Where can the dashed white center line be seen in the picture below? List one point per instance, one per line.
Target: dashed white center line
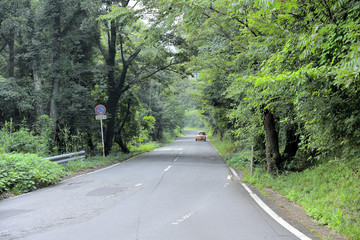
(176, 159)
(180, 220)
(167, 169)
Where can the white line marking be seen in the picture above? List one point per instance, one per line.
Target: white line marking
(168, 149)
(180, 220)
(228, 177)
(272, 214)
(101, 169)
(167, 169)
(138, 185)
(176, 159)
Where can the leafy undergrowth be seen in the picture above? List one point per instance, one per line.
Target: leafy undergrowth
(22, 173)
(225, 148)
(330, 193)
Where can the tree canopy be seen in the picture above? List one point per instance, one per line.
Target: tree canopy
(279, 76)
(62, 58)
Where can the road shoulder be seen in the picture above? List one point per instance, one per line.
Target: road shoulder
(292, 213)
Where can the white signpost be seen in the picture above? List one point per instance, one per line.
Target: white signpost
(100, 110)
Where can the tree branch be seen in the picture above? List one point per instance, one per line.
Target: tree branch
(122, 49)
(71, 21)
(3, 47)
(220, 27)
(134, 55)
(159, 69)
(236, 19)
(101, 48)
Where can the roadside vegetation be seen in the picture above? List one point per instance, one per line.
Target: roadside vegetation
(329, 191)
(26, 170)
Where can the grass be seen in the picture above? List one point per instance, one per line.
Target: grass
(330, 193)
(225, 148)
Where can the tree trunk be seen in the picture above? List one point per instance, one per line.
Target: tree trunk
(56, 72)
(118, 136)
(111, 106)
(90, 142)
(11, 44)
(292, 143)
(116, 87)
(122, 145)
(34, 62)
(38, 91)
(53, 106)
(272, 142)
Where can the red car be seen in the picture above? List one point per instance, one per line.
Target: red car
(200, 136)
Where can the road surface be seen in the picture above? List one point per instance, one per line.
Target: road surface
(182, 191)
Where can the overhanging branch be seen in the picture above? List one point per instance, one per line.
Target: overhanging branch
(236, 19)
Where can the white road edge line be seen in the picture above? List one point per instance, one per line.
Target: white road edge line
(167, 169)
(99, 170)
(96, 171)
(272, 214)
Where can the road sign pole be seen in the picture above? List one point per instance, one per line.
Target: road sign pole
(100, 111)
(102, 138)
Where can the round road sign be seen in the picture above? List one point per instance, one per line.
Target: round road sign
(100, 109)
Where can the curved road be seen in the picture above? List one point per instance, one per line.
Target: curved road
(182, 191)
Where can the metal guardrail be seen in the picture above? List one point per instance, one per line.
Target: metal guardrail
(64, 158)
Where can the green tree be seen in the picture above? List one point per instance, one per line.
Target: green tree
(132, 52)
(279, 63)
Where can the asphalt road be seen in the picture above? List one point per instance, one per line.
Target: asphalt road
(182, 191)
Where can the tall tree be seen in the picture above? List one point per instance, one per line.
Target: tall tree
(125, 42)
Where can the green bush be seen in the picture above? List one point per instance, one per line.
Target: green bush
(20, 141)
(171, 136)
(21, 173)
(226, 148)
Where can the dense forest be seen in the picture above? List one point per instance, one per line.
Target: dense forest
(277, 78)
(59, 59)
(281, 77)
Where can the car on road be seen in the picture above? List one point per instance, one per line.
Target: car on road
(200, 136)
